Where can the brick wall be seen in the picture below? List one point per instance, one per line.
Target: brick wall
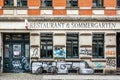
(60, 3)
(85, 3)
(1, 2)
(33, 3)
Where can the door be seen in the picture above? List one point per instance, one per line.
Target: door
(16, 55)
(118, 50)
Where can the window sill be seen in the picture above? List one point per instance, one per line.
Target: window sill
(21, 8)
(72, 59)
(72, 8)
(46, 8)
(98, 8)
(46, 59)
(98, 60)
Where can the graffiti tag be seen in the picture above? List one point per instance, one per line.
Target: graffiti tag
(86, 51)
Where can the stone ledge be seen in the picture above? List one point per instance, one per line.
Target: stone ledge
(61, 18)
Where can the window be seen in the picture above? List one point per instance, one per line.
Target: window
(46, 3)
(118, 3)
(72, 44)
(97, 3)
(46, 45)
(21, 3)
(8, 3)
(98, 46)
(72, 3)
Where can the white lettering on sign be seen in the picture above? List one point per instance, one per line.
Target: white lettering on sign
(72, 25)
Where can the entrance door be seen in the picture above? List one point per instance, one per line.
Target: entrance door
(16, 54)
(118, 50)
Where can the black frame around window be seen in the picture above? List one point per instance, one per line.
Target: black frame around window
(98, 45)
(72, 45)
(46, 3)
(98, 3)
(46, 45)
(8, 3)
(72, 3)
(22, 3)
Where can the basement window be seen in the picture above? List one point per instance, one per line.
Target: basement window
(21, 3)
(8, 3)
(46, 45)
(97, 3)
(72, 3)
(46, 3)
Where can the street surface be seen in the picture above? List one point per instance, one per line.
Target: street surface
(28, 76)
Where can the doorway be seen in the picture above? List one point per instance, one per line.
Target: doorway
(16, 53)
(118, 50)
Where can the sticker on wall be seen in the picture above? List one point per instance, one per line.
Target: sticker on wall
(86, 51)
(59, 53)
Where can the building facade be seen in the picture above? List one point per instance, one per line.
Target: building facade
(59, 30)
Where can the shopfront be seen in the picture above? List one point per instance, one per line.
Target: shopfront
(59, 39)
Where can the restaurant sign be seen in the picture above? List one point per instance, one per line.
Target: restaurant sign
(73, 25)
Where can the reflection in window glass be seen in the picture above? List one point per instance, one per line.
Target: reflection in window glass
(7, 50)
(27, 50)
(98, 46)
(72, 3)
(72, 45)
(21, 3)
(8, 3)
(17, 37)
(97, 3)
(46, 45)
(46, 3)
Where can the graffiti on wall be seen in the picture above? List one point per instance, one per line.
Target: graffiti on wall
(109, 52)
(86, 51)
(17, 66)
(59, 53)
(111, 62)
(98, 65)
(35, 52)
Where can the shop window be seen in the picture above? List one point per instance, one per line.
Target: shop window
(21, 3)
(8, 3)
(72, 45)
(46, 45)
(72, 3)
(97, 3)
(46, 3)
(118, 3)
(98, 46)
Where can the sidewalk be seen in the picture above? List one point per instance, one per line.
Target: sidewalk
(28, 76)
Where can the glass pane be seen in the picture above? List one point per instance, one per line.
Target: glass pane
(27, 50)
(17, 37)
(46, 45)
(26, 37)
(7, 51)
(118, 3)
(21, 3)
(7, 37)
(8, 2)
(16, 50)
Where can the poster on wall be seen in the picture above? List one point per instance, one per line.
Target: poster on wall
(59, 53)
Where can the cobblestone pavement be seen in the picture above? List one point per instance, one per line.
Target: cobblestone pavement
(28, 76)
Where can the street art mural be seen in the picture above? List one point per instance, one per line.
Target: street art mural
(86, 51)
(59, 53)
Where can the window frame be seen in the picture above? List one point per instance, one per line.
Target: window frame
(98, 54)
(43, 4)
(97, 3)
(45, 55)
(72, 46)
(69, 4)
